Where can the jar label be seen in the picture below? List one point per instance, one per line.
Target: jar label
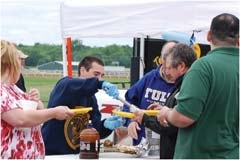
(88, 147)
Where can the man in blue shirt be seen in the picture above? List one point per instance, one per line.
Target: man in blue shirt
(153, 87)
(62, 137)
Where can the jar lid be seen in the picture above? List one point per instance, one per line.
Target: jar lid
(89, 131)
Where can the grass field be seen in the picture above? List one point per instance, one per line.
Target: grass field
(45, 85)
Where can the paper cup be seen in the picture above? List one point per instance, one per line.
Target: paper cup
(27, 104)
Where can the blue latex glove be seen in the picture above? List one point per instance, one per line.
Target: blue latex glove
(110, 89)
(113, 122)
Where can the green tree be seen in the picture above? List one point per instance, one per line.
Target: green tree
(44, 53)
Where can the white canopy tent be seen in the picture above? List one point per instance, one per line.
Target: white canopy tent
(138, 18)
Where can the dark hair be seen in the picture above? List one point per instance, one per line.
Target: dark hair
(225, 28)
(181, 53)
(87, 61)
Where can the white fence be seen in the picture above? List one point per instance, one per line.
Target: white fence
(57, 73)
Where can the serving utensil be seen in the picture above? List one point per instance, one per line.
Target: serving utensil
(132, 107)
(81, 110)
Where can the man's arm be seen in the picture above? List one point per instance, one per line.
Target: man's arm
(172, 116)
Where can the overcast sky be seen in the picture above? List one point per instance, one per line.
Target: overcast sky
(31, 21)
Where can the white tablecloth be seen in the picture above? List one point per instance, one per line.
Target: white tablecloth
(102, 156)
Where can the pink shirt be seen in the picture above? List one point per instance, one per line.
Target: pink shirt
(17, 142)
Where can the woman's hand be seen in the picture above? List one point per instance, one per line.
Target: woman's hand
(34, 95)
(63, 112)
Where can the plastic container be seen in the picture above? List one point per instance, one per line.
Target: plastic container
(89, 143)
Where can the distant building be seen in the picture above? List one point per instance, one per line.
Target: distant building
(57, 66)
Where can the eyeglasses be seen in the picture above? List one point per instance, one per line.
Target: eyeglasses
(22, 59)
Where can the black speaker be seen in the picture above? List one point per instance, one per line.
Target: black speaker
(134, 72)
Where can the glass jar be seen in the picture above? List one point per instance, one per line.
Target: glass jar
(89, 143)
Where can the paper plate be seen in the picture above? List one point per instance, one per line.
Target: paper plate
(132, 115)
(117, 154)
(82, 110)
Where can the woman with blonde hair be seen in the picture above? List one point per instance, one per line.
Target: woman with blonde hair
(20, 128)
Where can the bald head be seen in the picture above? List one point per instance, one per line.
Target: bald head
(166, 47)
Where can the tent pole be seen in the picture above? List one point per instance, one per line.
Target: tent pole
(141, 64)
(69, 56)
(64, 57)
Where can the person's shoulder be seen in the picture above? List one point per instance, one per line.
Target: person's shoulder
(63, 80)
(205, 59)
(153, 72)
(66, 78)
(148, 76)
(202, 64)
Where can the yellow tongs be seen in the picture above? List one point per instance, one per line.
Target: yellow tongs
(81, 110)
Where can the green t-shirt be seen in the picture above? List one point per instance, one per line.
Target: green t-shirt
(210, 95)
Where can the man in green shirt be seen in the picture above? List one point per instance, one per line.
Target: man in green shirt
(207, 110)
